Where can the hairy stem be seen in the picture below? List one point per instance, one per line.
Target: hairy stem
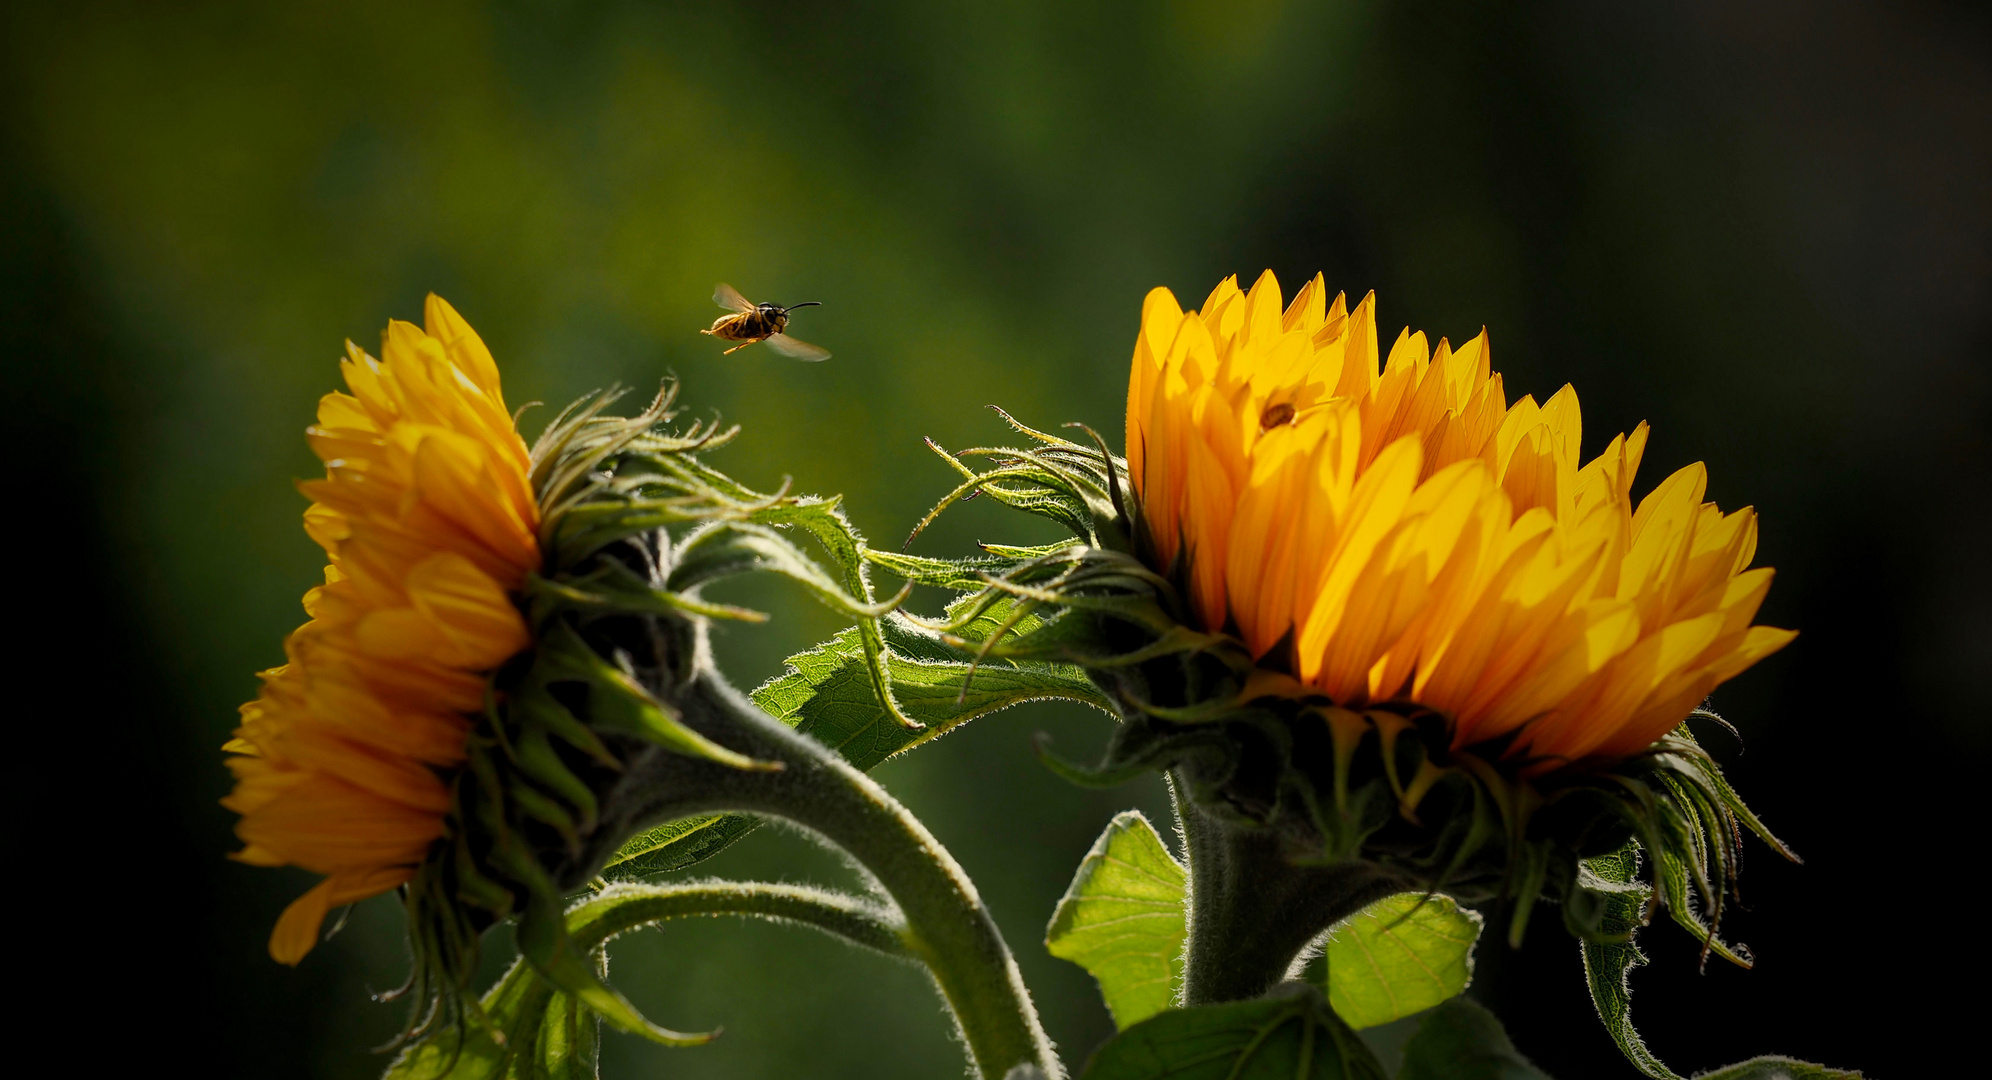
(1252, 910)
(622, 908)
(945, 924)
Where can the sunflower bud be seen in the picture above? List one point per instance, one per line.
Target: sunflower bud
(1382, 627)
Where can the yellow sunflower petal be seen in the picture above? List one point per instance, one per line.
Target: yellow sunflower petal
(1421, 539)
(427, 514)
(297, 928)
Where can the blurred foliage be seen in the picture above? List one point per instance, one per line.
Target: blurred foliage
(1763, 231)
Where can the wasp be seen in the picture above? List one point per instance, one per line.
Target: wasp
(750, 322)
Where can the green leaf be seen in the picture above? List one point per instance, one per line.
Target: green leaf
(675, 845)
(617, 702)
(828, 693)
(1122, 919)
(1461, 1040)
(1400, 955)
(1773, 1067)
(1294, 1036)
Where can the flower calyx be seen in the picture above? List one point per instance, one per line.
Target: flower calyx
(635, 525)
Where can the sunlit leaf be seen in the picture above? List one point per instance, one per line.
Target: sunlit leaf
(1122, 919)
(1398, 956)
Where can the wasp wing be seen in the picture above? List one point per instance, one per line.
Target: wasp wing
(800, 350)
(728, 297)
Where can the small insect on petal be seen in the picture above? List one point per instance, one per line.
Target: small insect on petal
(1275, 415)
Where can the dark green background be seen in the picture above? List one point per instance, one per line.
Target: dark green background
(1767, 231)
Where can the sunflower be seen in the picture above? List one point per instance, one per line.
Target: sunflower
(428, 521)
(1403, 535)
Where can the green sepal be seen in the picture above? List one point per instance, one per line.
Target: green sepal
(481, 1051)
(530, 1029)
(531, 701)
(532, 751)
(730, 548)
(614, 587)
(546, 811)
(1085, 776)
(1608, 965)
(739, 547)
(477, 888)
(960, 575)
(1078, 486)
(1290, 1035)
(569, 1043)
(1028, 553)
(825, 522)
(1074, 639)
(587, 529)
(1065, 508)
(1528, 868)
(1689, 822)
(1122, 919)
(617, 702)
(1696, 760)
(570, 966)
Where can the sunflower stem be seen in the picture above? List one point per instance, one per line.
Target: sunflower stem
(945, 926)
(621, 908)
(1252, 909)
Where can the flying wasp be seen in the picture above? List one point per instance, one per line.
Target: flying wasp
(749, 322)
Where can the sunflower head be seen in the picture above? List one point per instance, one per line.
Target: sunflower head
(1362, 600)
(504, 634)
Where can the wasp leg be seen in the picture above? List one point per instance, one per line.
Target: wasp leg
(739, 347)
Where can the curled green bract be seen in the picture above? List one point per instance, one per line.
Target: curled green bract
(634, 524)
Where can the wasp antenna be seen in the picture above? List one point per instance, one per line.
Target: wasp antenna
(812, 303)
